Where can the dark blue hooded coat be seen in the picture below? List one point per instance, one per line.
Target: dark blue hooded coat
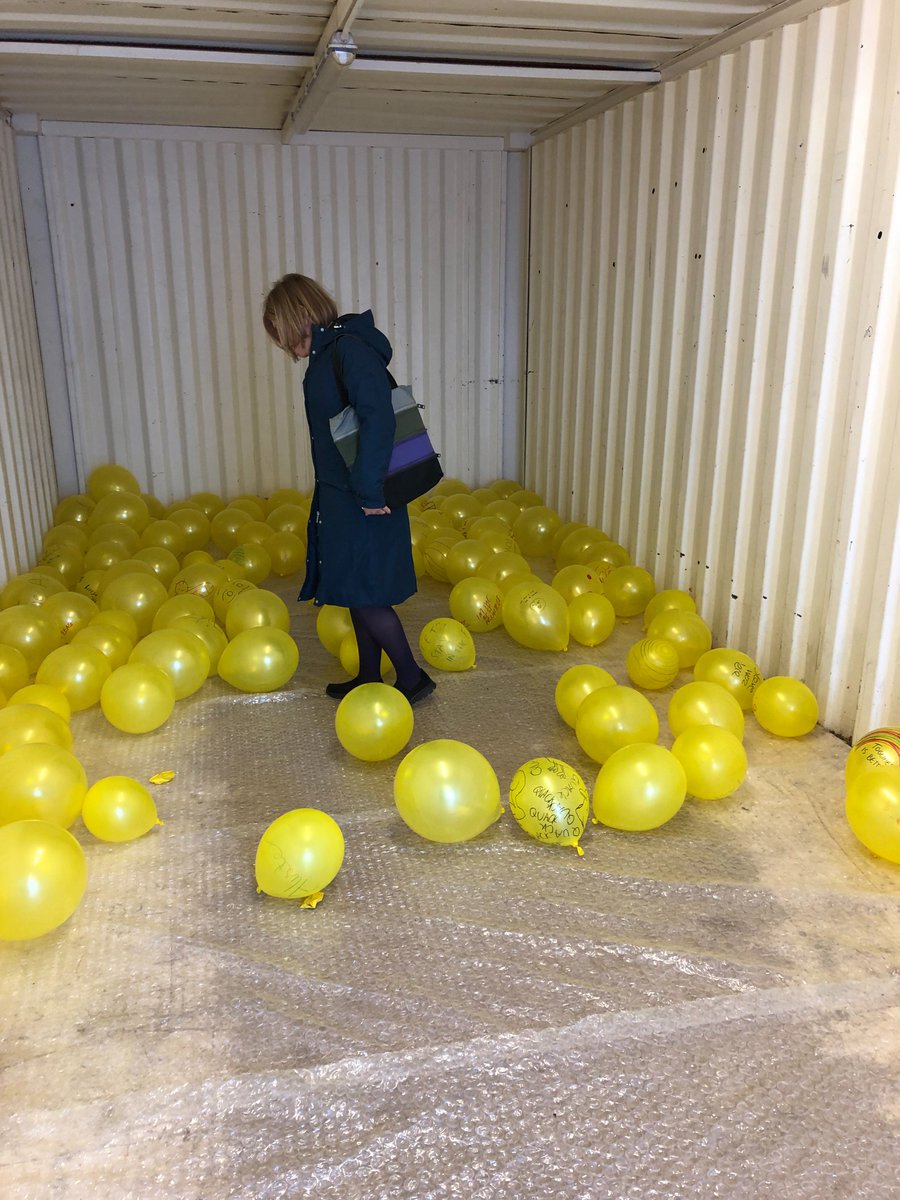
(352, 559)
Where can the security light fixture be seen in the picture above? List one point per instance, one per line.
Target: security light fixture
(342, 48)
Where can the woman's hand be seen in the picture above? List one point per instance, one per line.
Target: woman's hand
(376, 512)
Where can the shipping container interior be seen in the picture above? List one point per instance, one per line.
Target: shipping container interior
(643, 260)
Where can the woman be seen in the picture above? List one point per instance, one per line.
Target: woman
(359, 553)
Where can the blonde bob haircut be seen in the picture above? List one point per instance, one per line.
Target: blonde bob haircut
(293, 304)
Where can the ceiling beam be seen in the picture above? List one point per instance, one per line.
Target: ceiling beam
(324, 73)
(489, 70)
(101, 50)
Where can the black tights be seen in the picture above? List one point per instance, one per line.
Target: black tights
(380, 629)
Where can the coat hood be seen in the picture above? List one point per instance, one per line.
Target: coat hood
(358, 325)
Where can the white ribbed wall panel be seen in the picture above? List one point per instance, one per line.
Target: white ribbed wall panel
(27, 479)
(714, 371)
(165, 245)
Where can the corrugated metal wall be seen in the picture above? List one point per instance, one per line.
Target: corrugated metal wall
(165, 246)
(714, 362)
(27, 480)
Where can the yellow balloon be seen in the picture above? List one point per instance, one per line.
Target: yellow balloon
(21, 724)
(875, 750)
(91, 584)
(534, 530)
(167, 534)
(210, 634)
(138, 594)
(193, 523)
(226, 593)
(289, 518)
(639, 787)
(508, 582)
(43, 875)
(209, 502)
(447, 644)
(154, 506)
(436, 551)
(254, 558)
(575, 685)
(592, 619)
(505, 487)
(75, 508)
(65, 561)
(119, 809)
(71, 611)
(260, 659)
(701, 703)
(13, 669)
(504, 511)
(667, 600)
(524, 498)
(162, 562)
(502, 564)
(630, 590)
(332, 626)
(121, 619)
(349, 656)
(612, 717)
(67, 533)
(256, 608)
(79, 672)
(137, 698)
(580, 546)
(465, 558)
(688, 633)
(122, 535)
(202, 579)
(41, 782)
(536, 616)
(44, 695)
(225, 528)
(180, 654)
(563, 532)
(253, 505)
(446, 791)
(576, 580)
(460, 507)
(127, 507)
(550, 801)
(873, 811)
(28, 629)
(126, 566)
(187, 604)
(110, 640)
(374, 722)
(287, 552)
(785, 706)
(652, 663)
(477, 603)
(732, 670)
(110, 477)
(714, 761)
(299, 854)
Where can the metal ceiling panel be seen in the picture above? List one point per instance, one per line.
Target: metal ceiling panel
(424, 99)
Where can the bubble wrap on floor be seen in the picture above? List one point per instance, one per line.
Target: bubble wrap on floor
(707, 1010)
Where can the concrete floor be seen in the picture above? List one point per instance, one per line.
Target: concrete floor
(706, 1010)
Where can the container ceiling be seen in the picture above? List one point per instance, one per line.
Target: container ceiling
(471, 67)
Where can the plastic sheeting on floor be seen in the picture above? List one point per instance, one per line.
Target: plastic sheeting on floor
(706, 1010)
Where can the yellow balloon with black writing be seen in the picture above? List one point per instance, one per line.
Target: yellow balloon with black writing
(536, 616)
(299, 854)
(549, 800)
(447, 644)
(477, 603)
